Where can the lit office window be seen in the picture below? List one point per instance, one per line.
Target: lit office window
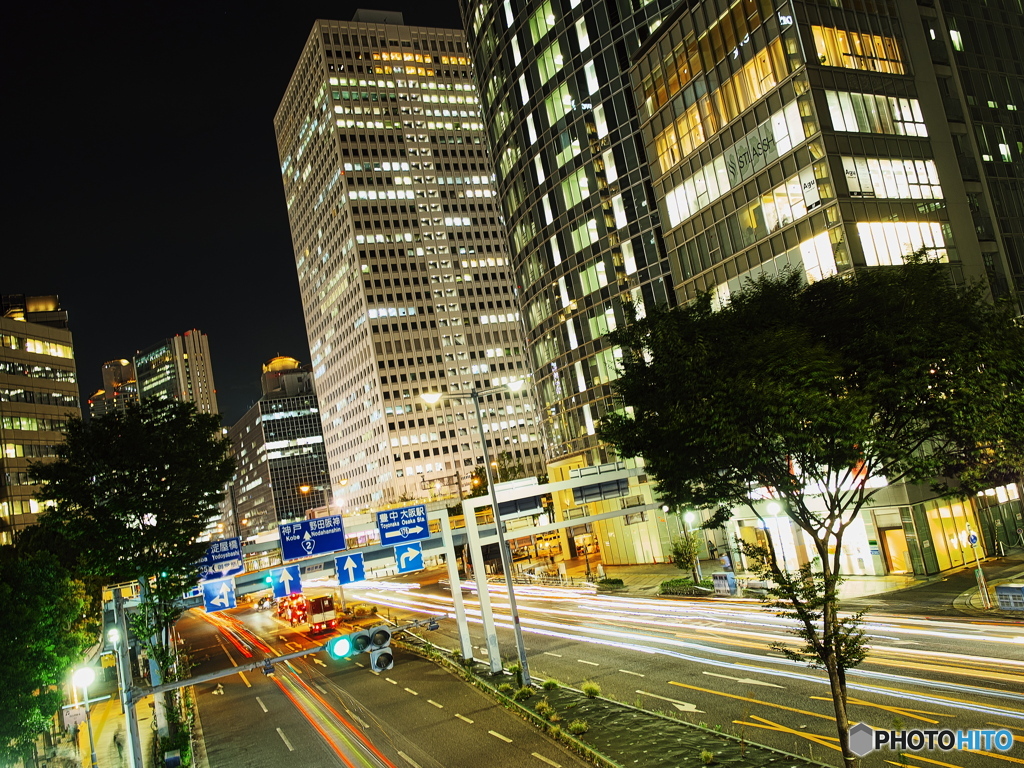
(870, 113)
(581, 33)
(893, 178)
(542, 21)
(857, 50)
(889, 242)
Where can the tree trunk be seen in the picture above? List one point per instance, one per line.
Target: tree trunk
(842, 721)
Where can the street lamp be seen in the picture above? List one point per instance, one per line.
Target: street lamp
(506, 557)
(83, 677)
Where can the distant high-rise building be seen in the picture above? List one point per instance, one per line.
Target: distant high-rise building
(38, 393)
(120, 389)
(178, 368)
(402, 259)
(279, 449)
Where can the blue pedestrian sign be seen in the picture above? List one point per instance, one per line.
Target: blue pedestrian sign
(218, 595)
(409, 557)
(286, 581)
(305, 538)
(223, 558)
(398, 526)
(350, 568)
(972, 539)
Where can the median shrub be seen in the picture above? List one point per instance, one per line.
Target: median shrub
(611, 584)
(578, 727)
(591, 689)
(684, 586)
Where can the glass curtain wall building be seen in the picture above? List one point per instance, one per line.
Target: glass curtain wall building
(583, 229)
(178, 368)
(830, 137)
(402, 259)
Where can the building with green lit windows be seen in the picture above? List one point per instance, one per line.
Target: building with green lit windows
(835, 136)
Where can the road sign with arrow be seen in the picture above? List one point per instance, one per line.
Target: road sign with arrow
(305, 538)
(219, 595)
(286, 581)
(350, 568)
(409, 558)
(399, 526)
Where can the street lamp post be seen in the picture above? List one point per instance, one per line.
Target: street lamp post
(83, 678)
(499, 526)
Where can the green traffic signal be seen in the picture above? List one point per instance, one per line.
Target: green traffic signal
(340, 647)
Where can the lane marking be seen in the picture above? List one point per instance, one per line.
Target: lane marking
(925, 759)
(1007, 758)
(745, 680)
(497, 735)
(545, 760)
(591, 663)
(431, 701)
(917, 714)
(227, 653)
(410, 690)
(464, 719)
(320, 688)
(752, 701)
(627, 672)
(409, 760)
(682, 706)
(245, 680)
(556, 655)
(317, 661)
(285, 740)
(393, 682)
(358, 664)
(768, 725)
(260, 702)
(358, 719)
(293, 644)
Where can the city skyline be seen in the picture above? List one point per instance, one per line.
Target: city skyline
(148, 218)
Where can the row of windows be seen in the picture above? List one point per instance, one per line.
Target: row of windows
(29, 450)
(892, 178)
(451, 46)
(38, 398)
(32, 423)
(36, 346)
(11, 368)
(857, 50)
(871, 113)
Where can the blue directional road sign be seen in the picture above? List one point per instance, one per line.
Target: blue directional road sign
(398, 526)
(350, 568)
(223, 558)
(286, 580)
(319, 536)
(972, 539)
(409, 557)
(219, 595)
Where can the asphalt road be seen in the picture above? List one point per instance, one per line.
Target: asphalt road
(709, 662)
(319, 712)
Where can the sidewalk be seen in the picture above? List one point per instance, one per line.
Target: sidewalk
(108, 722)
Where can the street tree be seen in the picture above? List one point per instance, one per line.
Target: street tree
(44, 629)
(133, 491)
(818, 396)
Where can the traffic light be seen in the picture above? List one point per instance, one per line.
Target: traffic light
(381, 658)
(346, 646)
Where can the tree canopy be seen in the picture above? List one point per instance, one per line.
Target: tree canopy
(818, 396)
(42, 626)
(830, 389)
(132, 491)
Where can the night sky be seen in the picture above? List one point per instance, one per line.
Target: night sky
(142, 174)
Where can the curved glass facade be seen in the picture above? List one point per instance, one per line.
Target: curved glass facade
(574, 185)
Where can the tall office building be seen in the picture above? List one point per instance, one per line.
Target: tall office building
(38, 393)
(178, 368)
(583, 227)
(834, 137)
(279, 449)
(401, 258)
(120, 389)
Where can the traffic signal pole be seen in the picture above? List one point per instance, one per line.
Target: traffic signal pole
(124, 679)
(456, 587)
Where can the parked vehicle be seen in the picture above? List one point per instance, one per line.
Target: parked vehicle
(292, 608)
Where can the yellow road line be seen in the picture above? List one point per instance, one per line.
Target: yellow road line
(996, 755)
(895, 710)
(816, 738)
(752, 701)
(925, 759)
(941, 698)
(1010, 728)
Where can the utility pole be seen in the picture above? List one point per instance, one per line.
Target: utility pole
(124, 679)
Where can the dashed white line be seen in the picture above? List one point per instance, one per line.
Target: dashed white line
(591, 663)
(627, 672)
(358, 719)
(245, 680)
(497, 735)
(545, 760)
(556, 655)
(320, 688)
(227, 653)
(262, 705)
(358, 664)
(431, 701)
(409, 760)
(285, 740)
(393, 682)
(464, 719)
(410, 690)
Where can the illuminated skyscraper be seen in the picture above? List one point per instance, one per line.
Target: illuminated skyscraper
(401, 258)
(178, 368)
(38, 392)
(120, 389)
